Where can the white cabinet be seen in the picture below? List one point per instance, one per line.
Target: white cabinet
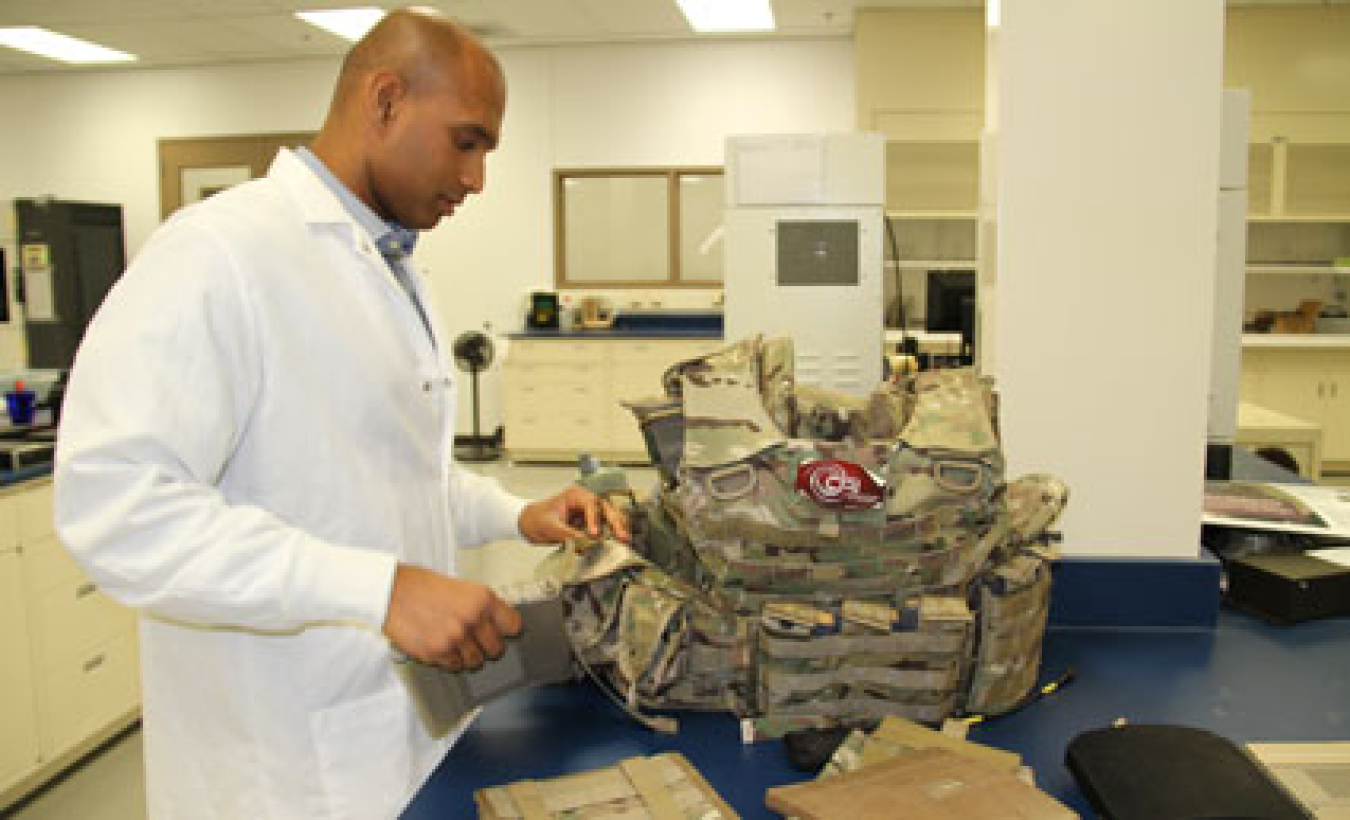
(1298, 180)
(71, 669)
(18, 720)
(1308, 383)
(564, 396)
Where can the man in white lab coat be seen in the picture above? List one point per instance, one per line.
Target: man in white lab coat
(255, 452)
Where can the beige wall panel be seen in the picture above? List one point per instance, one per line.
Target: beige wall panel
(1295, 60)
(918, 62)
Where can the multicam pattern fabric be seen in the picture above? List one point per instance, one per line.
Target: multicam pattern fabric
(817, 559)
(660, 787)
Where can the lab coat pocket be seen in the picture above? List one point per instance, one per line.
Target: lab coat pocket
(364, 761)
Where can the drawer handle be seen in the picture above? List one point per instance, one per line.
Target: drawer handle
(94, 662)
(86, 590)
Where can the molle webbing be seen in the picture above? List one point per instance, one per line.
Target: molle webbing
(814, 559)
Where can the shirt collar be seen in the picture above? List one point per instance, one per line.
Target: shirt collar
(393, 240)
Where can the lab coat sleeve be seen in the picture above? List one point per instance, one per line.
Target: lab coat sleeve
(482, 511)
(160, 394)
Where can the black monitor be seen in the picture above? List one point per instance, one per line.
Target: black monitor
(951, 306)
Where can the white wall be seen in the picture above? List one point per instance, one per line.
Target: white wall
(92, 136)
(1107, 194)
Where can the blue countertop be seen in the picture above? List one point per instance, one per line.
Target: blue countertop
(1246, 680)
(656, 325)
(615, 333)
(26, 474)
(1241, 678)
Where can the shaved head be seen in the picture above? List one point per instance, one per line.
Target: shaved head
(417, 44)
(417, 106)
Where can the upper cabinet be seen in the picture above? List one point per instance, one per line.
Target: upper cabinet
(920, 77)
(1299, 181)
(1297, 66)
(920, 82)
(932, 179)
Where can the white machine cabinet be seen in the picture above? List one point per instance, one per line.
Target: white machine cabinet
(803, 251)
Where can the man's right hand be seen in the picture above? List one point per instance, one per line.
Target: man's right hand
(447, 622)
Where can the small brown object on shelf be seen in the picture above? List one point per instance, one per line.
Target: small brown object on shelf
(1301, 320)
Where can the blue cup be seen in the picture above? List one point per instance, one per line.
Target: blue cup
(20, 404)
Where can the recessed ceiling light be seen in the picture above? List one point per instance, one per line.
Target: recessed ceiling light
(61, 47)
(728, 15)
(351, 24)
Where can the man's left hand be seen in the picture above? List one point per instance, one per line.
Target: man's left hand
(576, 512)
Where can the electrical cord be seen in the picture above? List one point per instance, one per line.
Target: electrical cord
(908, 346)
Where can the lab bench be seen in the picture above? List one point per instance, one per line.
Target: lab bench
(1146, 641)
(1245, 680)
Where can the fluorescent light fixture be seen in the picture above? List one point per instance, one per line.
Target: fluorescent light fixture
(351, 24)
(56, 46)
(728, 15)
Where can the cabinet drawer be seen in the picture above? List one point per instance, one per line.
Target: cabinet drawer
(35, 512)
(565, 398)
(48, 563)
(543, 430)
(72, 617)
(660, 353)
(556, 373)
(556, 351)
(86, 692)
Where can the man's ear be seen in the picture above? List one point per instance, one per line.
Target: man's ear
(387, 90)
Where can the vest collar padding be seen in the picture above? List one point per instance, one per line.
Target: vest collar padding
(724, 415)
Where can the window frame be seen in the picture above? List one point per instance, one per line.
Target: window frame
(672, 175)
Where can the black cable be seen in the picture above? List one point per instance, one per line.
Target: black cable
(908, 346)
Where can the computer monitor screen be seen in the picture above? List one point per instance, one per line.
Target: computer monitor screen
(951, 301)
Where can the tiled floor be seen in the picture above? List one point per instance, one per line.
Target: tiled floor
(108, 785)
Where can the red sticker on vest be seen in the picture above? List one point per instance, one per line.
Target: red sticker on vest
(839, 485)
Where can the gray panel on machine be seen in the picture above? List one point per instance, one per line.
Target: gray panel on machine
(818, 252)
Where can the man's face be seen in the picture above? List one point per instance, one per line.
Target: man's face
(433, 153)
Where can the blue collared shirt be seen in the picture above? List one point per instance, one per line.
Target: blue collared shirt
(395, 242)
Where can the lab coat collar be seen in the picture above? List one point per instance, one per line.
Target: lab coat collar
(318, 205)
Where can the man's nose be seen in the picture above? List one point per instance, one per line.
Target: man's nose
(473, 176)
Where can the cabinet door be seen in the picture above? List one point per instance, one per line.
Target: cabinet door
(82, 694)
(1335, 387)
(1293, 382)
(18, 713)
(555, 398)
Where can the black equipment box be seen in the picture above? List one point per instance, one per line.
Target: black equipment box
(1143, 772)
(1288, 588)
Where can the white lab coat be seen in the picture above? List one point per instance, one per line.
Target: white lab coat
(257, 429)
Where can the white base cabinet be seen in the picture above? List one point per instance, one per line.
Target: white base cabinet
(18, 719)
(1308, 383)
(564, 396)
(70, 675)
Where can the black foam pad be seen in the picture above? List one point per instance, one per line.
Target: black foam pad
(1174, 773)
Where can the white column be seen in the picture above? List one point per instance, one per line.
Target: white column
(1107, 176)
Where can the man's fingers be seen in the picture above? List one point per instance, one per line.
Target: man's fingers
(618, 524)
(592, 510)
(505, 619)
(470, 656)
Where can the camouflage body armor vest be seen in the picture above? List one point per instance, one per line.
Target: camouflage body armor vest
(814, 559)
